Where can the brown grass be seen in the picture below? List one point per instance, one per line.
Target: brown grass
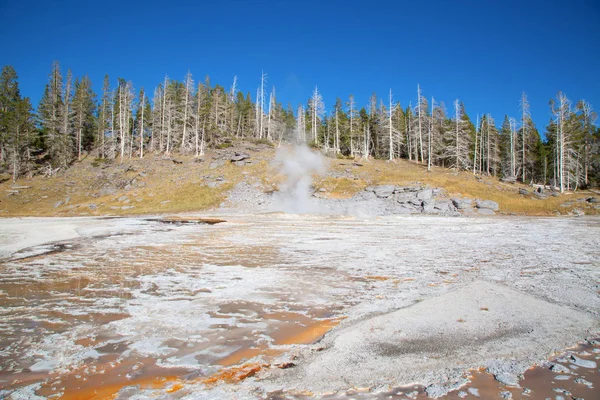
(165, 187)
(462, 184)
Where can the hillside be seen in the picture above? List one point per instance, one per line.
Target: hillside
(158, 185)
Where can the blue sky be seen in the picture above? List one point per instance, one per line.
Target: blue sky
(483, 52)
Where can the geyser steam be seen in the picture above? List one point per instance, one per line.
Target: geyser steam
(298, 165)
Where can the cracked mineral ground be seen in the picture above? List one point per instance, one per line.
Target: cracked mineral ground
(300, 306)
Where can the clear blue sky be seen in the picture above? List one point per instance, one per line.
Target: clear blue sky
(482, 52)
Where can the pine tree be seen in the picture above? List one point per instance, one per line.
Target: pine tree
(53, 113)
(84, 107)
(16, 124)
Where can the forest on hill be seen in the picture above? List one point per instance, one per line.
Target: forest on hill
(72, 122)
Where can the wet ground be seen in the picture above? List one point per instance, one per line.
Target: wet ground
(194, 308)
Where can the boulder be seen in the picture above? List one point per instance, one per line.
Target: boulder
(425, 194)
(593, 200)
(384, 191)
(524, 192)
(443, 206)
(485, 211)
(577, 212)
(462, 204)
(404, 197)
(216, 164)
(416, 202)
(239, 157)
(487, 204)
(428, 206)
(407, 209)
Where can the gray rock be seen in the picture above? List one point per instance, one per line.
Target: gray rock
(487, 204)
(462, 204)
(240, 163)
(580, 362)
(425, 194)
(578, 213)
(485, 211)
(416, 203)
(508, 379)
(216, 164)
(473, 391)
(562, 377)
(404, 197)
(582, 381)
(593, 200)
(122, 198)
(428, 206)
(524, 192)
(239, 157)
(506, 395)
(560, 369)
(58, 204)
(462, 394)
(92, 206)
(443, 206)
(406, 209)
(165, 201)
(107, 191)
(127, 207)
(384, 191)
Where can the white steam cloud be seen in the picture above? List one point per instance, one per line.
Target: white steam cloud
(298, 165)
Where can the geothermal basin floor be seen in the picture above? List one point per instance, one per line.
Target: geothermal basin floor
(277, 305)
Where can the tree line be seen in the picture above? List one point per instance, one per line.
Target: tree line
(186, 117)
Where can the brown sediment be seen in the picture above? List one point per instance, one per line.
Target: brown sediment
(311, 333)
(246, 354)
(234, 374)
(110, 377)
(293, 328)
(188, 220)
(377, 278)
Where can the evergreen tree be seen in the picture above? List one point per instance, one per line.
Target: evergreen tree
(53, 119)
(84, 108)
(16, 124)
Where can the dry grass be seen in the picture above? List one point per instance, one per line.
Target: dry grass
(162, 186)
(462, 184)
